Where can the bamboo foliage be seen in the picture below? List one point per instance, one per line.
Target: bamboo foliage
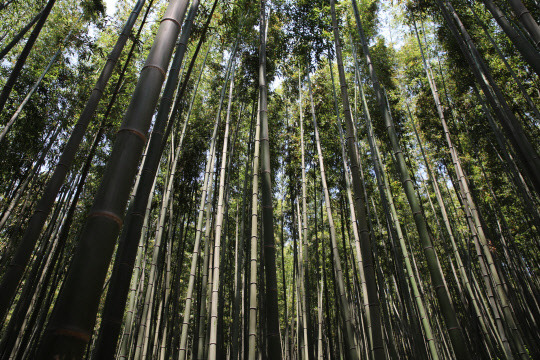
(255, 211)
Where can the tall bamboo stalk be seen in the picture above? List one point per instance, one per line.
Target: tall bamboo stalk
(122, 271)
(14, 117)
(527, 50)
(196, 251)
(437, 277)
(388, 202)
(239, 273)
(271, 295)
(212, 352)
(377, 348)
(252, 317)
(304, 238)
(19, 261)
(513, 129)
(525, 17)
(471, 209)
(19, 35)
(344, 303)
(83, 285)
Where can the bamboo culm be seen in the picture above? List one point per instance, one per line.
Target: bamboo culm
(83, 284)
(13, 275)
(377, 348)
(271, 296)
(456, 335)
(131, 232)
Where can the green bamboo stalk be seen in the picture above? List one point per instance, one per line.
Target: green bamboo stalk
(526, 19)
(212, 351)
(345, 306)
(196, 249)
(135, 279)
(512, 127)
(377, 347)
(527, 50)
(347, 176)
(206, 277)
(14, 117)
(144, 331)
(304, 230)
(387, 200)
(437, 277)
(240, 263)
(301, 289)
(28, 180)
(18, 37)
(131, 233)
(271, 295)
(471, 209)
(252, 325)
(518, 82)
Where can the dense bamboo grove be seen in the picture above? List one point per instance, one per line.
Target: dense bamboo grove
(269, 179)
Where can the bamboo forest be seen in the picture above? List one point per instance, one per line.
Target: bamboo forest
(270, 179)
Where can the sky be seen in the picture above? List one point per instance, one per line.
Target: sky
(111, 6)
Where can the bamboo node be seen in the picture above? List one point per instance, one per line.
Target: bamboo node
(155, 67)
(171, 19)
(107, 214)
(135, 132)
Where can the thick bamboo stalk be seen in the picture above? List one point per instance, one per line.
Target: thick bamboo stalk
(116, 297)
(13, 276)
(525, 17)
(526, 49)
(83, 285)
